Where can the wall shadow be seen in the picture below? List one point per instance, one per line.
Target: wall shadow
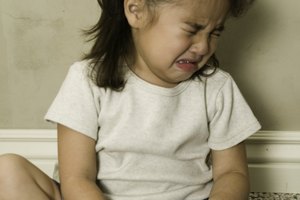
(241, 44)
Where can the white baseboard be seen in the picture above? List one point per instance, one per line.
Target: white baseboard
(273, 156)
(39, 146)
(274, 161)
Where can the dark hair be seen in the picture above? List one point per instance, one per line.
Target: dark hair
(113, 43)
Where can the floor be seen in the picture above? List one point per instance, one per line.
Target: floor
(273, 196)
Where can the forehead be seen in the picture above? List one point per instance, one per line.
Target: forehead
(200, 9)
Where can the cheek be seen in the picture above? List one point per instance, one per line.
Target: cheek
(178, 46)
(213, 45)
(172, 48)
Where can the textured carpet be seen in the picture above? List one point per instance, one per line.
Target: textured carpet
(273, 196)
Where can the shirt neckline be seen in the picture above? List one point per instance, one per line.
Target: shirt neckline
(155, 89)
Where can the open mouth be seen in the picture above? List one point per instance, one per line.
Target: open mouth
(186, 62)
(187, 65)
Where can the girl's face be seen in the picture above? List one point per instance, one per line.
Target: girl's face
(180, 41)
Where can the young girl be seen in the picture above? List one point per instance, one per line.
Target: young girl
(147, 115)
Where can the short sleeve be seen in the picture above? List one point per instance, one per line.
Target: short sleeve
(74, 106)
(232, 120)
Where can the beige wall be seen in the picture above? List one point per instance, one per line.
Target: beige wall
(262, 52)
(39, 39)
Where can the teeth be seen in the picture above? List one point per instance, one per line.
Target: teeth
(184, 62)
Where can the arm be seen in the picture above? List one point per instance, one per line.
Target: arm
(230, 174)
(77, 165)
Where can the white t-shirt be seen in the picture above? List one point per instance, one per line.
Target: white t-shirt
(152, 142)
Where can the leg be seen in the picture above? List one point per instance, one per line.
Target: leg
(20, 179)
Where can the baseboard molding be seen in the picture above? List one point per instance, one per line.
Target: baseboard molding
(273, 156)
(38, 145)
(274, 161)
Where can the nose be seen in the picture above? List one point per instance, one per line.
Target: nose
(200, 45)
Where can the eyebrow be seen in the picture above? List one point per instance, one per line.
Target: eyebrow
(200, 26)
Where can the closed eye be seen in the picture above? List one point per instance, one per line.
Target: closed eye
(218, 31)
(195, 28)
(191, 32)
(192, 28)
(216, 34)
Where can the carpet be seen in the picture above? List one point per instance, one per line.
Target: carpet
(273, 196)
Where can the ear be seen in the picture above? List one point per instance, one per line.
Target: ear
(134, 12)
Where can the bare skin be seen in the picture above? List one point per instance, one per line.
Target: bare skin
(18, 174)
(78, 166)
(230, 174)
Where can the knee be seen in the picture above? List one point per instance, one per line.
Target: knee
(10, 162)
(12, 167)
(12, 174)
